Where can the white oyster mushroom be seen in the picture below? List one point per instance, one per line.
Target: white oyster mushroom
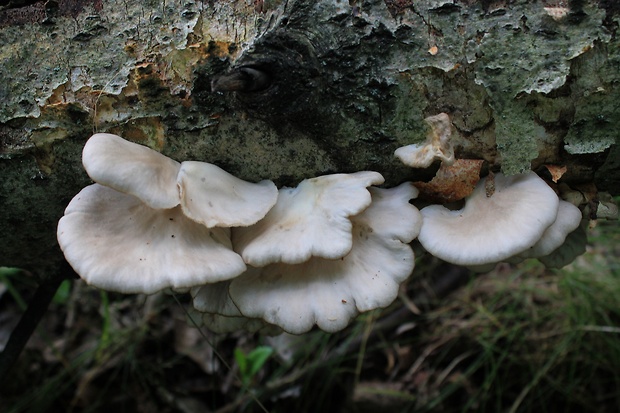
(143, 227)
(567, 220)
(438, 145)
(491, 228)
(311, 220)
(132, 169)
(116, 242)
(215, 198)
(559, 245)
(573, 246)
(329, 293)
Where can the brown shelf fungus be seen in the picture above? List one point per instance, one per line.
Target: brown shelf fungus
(330, 292)
(311, 220)
(491, 227)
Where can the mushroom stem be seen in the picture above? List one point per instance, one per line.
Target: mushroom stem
(242, 79)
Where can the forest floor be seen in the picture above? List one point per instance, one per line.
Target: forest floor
(520, 338)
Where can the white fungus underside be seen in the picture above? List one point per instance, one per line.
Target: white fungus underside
(491, 229)
(219, 314)
(115, 242)
(310, 220)
(132, 169)
(214, 298)
(329, 293)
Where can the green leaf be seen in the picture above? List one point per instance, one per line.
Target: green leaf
(62, 294)
(257, 359)
(251, 363)
(242, 362)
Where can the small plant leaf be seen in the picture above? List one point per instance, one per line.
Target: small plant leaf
(249, 364)
(242, 362)
(62, 294)
(257, 358)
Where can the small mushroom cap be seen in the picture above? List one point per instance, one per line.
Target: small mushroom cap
(216, 311)
(215, 198)
(132, 169)
(607, 206)
(490, 229)
(568, 219)
(573, 196)
(116, 242)
(438, 145)
(573, 246)
(214, 299)
(330, 293)
(310, 220)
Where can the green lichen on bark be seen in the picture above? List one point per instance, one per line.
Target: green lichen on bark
(526, 50)
(596, 99)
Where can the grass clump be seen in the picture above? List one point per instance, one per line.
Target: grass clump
(529, 339)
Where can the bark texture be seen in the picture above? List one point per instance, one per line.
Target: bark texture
(340, 86)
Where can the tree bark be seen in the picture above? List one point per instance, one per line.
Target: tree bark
(303, 88)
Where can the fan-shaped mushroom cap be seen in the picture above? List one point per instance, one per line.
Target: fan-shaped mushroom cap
(116, 242)
(438, 145)
(330, 293)
(215, 198)
(310, 220)
(490, 229)
(567, 220)
(132, 169)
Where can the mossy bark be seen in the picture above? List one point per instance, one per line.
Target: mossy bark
(525, 83)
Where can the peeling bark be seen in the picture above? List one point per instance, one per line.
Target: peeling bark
(525, 84)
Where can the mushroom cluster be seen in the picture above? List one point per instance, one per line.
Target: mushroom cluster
(505, 218)
(150, 223)
(252, 257)
(325, 273)
(257, 258)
